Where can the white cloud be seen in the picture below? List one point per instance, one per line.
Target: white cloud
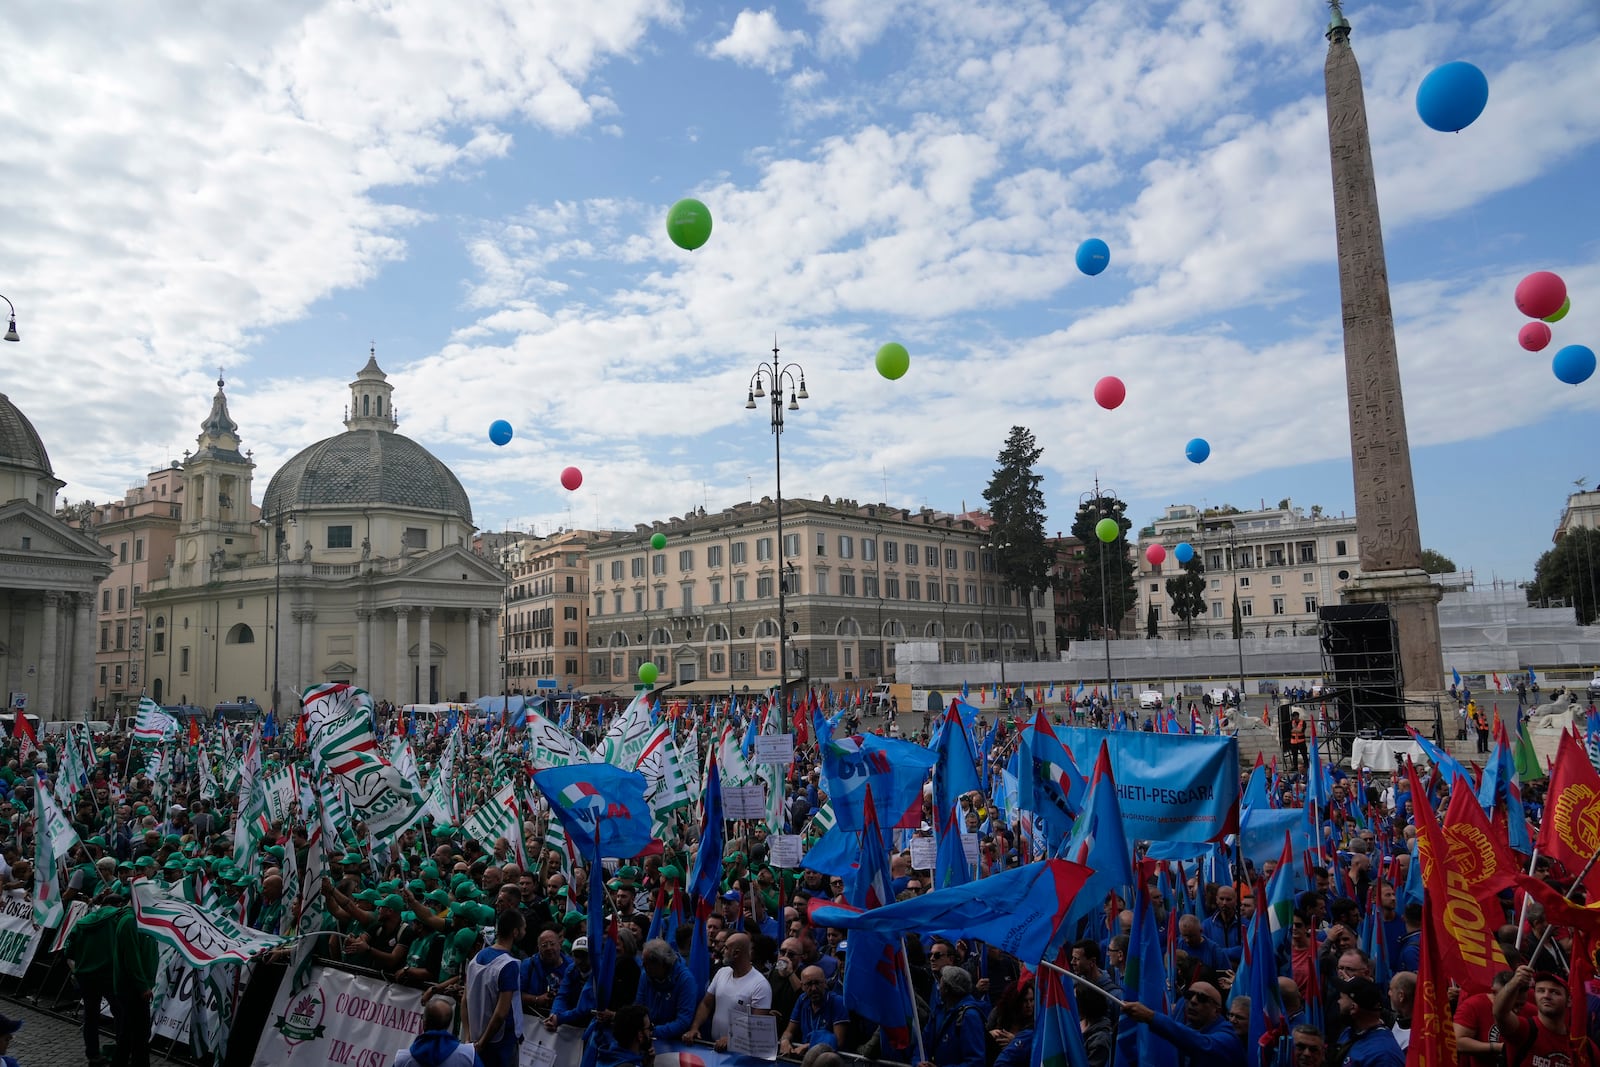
(757, 40)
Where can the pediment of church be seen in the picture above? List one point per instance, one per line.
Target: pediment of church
(453, 564)
(39, 551)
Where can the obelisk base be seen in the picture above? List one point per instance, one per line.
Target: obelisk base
(1413, 598)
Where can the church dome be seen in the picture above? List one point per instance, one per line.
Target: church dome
(20, 445)
(366, 468)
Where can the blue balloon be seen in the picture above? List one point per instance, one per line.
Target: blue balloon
(1184, 551)
(500, 432)
(1574, 364)
(1198, 450)
(1451, 97)
(1094, 256)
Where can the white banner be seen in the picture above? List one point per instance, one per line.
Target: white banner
(339, 1017)
(172, 1000)
(18, 934)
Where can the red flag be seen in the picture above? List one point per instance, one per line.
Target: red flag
(22, 733)
(1476, 849)
(194, 731)
(1570, 831)
(802, 728)
(1452, 912)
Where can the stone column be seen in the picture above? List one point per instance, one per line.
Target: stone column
(425, 655)
(474, 655)
(306, 662)
(363, 646)
(48, 636)
(83, 654)
(402, 657)
(488, 651)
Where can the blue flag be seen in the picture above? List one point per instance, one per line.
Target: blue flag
(1171, 787)
(600, 806)
(1057, 1034)
(1021, 911)
(1098, 842)
(1145, 981)
(954, 775)
(1448, 765)
(1259, 978)
(876, 980)
(1053, 788)
(895, 769)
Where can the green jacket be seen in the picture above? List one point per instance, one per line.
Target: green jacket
(89, 945)
(135, 959)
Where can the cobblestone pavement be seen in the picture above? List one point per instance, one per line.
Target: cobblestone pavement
(44, 1040)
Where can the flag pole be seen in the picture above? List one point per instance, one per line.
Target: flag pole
(916, 1020)
(1522, 919)
(1081, 980)
(1576, 882)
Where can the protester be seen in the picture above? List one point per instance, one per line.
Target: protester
(436, 1046)
(493, 987)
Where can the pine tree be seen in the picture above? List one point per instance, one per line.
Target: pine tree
(1022, 556)
(1187, 589)
(1110, 559)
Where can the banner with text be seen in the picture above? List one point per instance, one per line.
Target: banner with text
(1171, 787)
(339, 1017)
(19, 934)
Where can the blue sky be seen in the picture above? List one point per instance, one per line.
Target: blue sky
(479, 188)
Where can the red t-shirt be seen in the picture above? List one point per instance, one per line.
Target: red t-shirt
(1539, 1046)
(1476, 1012)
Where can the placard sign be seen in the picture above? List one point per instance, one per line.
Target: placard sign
(775, 749)
(339, 1017)
(744, 802)
(922, 853)
(18, 934)
(786, 850)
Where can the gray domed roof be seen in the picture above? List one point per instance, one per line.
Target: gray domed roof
(366, 467)
(19, 442)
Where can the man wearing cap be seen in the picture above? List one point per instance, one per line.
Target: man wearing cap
(574, 1003)
(543, 973)
(1367, 1041)
(1208, 1039)
(1545, 1037)
(379, 946)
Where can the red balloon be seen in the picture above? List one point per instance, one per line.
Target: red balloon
(1533, 336)
(1541, 294)
(571, 478)
(1109, 392)
(1156, 554)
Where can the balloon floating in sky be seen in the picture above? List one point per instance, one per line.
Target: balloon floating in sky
(1198, 450)
(1107, 530)
(500, 432)
(1156, 554)
(1452, 96)
(649, 672)
(689, 224)
(1094, 256)
(1534, 336)
(1109, 392)
(1561, 312)
(1541, 294)
(658, 541)
(1574, 364)
(571, 478)
(893, 361)
(1184, 552)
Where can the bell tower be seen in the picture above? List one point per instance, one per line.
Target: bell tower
(371, 399)
(216, 523)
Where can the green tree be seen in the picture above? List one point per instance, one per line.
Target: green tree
(1116, 594)
(1570, 571)
(1436, 562)
(1187, 590)
(1016, 504)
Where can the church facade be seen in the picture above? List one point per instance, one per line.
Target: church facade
(355, 568)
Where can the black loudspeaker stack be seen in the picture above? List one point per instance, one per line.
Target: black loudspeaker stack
(1361, 646)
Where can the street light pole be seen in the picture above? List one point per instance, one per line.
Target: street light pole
(771, 379)
(1100, 554)
(11, 327)
(1238, 632)
(277, 601)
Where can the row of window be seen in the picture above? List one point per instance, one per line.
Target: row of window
(536, 668)
(849, 585)
(138, 551)
(122, 598)
(412, 537)
(847, 545)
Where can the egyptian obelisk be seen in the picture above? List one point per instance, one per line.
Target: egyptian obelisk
(1386, 502)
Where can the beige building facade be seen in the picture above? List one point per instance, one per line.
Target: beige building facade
(358, 570)
(861, 578)
(1283, 563)
(546, 624)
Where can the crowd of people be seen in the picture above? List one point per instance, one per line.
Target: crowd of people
(496, 948)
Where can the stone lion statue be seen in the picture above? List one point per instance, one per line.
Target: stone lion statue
(1558, 714)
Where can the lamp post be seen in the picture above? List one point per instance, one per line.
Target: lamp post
(11, 328)
(1238, 628)
(1095, 498)
(278, 542)
(770, 379)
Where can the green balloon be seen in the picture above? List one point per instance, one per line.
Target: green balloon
(1107, 530)
(648, 673)
(658, 541)
(1561, 312)
(893, 361)
(689, 224)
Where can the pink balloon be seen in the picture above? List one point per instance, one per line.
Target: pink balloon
(571, 478)
(1109, 392)
(1533, 336)
(1156, 555)
(1541, 294)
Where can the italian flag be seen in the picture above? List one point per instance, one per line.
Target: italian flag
(201, 937)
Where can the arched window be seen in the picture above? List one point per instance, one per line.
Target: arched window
(1281, 633)
(894, 628)
(1251, 634)
(933, 629)
(970, 631)
(619, 640)
(161, 622)
(380, 405)
(661, 636)
(366, 405)
(716, 632)
(766, 628)
(240, 635)
(847, 628)
(1008, 632)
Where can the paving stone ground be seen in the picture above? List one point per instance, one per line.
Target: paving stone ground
(44, 1040)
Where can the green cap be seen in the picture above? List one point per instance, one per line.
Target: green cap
(463, 940)
(97, 841)
(415, 885)
(124, 866)
(438, 898)
(390, 886)
(573, 918)
(276, 851)
(392, 901)
(174, 864)
(408, 916)
(367, 896)
(144, 861)
(672, 871)
(173, 839)
(141, 811)
(429, 869)
(628, 873)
